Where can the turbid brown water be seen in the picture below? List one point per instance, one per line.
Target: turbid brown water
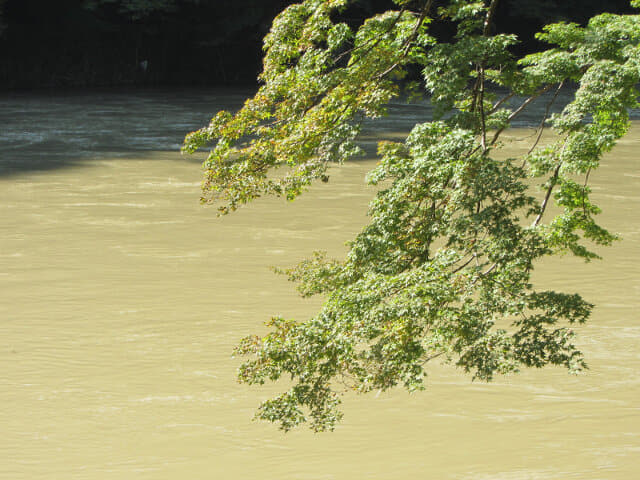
(121, 299)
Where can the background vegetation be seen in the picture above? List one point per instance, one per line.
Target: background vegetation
(96, 43)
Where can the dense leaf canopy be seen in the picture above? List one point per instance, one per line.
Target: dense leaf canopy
(443, 269)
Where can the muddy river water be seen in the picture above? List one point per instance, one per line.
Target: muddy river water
(121, 299)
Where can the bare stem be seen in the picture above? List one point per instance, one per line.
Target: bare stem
(544, 118)
(584, 191)
(487, 20)
(519, 110)
(500, 102)
(552, 183)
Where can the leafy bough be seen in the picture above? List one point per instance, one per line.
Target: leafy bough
(443, 269)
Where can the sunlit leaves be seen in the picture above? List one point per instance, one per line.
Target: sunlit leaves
(443, 268)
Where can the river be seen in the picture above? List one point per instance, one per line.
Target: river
(121, 299)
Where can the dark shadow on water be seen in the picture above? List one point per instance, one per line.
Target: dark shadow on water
(42, 162)
(43, 133)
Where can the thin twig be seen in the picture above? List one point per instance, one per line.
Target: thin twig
(465, 264)
(524, 105)
(500, 102)
(544, 118)
(552, 183)
(479, 89)
(435, 355)
(519, 110)
(483, 123)
(412, 37)
(489, 270)
(375, 43)
(584, 191)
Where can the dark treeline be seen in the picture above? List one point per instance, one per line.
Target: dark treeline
(91, 43)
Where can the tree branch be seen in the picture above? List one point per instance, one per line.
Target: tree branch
(489, 17)
(500, 102)
(412, 37)
(519, 110)
(544, 118)
(552, 183)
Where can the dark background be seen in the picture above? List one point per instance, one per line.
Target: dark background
(101, 43)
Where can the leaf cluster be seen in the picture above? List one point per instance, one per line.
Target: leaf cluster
(443, 269)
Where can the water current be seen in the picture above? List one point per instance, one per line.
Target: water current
(121, 299)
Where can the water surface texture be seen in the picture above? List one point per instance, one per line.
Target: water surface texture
(121, 299)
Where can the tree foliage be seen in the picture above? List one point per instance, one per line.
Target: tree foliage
(443, 269)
